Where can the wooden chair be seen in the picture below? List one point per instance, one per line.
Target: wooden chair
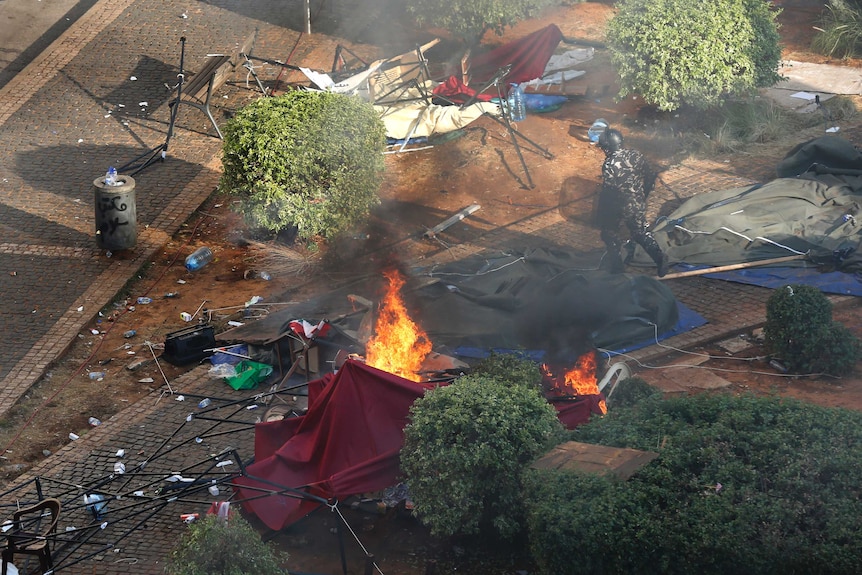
(30, 535)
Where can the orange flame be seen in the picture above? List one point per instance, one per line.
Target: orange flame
(578, 381)
(398, 346)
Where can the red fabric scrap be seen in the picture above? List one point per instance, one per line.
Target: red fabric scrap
(455, 91)
(528, 56)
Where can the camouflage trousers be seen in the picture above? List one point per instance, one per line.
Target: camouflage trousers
(628, 209)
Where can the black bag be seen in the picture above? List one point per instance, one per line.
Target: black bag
(189, 345)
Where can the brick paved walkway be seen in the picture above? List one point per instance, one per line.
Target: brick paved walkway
(76, 110)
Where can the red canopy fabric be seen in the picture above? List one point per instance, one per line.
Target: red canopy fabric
(455, 91)
(575, 412)
(347, 443)
(528, 56)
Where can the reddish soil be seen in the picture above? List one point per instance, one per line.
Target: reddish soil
(420, 189)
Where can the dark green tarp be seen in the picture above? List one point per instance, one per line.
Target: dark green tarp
(815, 212)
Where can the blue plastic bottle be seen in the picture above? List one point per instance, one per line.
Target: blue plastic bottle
(198, 259)
(111, 177)
(517, 105)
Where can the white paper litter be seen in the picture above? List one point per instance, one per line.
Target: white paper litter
(804, 96)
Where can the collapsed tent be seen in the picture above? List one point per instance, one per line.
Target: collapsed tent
(413, 105)
(532, 300)
(400, 88)
(542, 299)
(347, 443)
(414, 118)
(810, 213)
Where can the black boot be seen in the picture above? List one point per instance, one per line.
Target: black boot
(659, 257)
(662, 265)
(630, 252)
(612, 262)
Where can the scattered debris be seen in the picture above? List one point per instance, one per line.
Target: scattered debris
(432, 233)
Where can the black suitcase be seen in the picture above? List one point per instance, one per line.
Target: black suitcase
(189, 345)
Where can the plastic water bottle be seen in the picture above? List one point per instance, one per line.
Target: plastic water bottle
(596, 130)
(517, 105)
(199, 258)
(111, 177)
(94, 422)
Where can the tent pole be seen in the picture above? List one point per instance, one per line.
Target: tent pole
(341, 549)
(731, 267)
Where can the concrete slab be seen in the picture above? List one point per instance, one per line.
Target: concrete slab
(681, 378)
(806, 80)
(735, 345)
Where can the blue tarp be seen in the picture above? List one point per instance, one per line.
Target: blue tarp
(828, 282)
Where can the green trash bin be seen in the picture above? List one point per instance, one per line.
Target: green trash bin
(116, 214)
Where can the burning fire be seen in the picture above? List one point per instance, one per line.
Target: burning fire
(580, 380)
(398, 346)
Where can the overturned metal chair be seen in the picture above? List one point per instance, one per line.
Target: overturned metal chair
(30, 534)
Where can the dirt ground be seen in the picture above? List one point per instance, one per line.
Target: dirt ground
(420, 190)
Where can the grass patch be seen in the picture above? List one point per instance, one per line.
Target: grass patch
(738, 124)
(839, 33)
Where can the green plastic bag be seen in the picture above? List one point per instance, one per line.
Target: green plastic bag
(249, 374)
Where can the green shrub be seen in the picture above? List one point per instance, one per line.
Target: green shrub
(470, 19)
(313, 160)
(465, 448)
(509, 368)
(675, 52)
(800, 330)
(837, 352)
(631, 391)
(212, 546)
(741, 485)
(839, 33)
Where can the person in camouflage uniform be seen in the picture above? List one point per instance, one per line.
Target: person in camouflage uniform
(627, 180)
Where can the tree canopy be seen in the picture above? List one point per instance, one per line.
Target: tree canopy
(312, 160)
(465, 448)
(675, 52)
(470, 19)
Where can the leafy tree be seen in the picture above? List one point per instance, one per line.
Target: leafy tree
(741, 484)
(313, 160)
(470, 19)
(465, 448)
(675, 52)
(799, 328)
(213, 546)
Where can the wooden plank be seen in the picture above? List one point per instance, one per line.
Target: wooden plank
(732, 267)
(200, 81)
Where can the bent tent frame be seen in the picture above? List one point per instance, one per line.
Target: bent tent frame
(156, 489)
